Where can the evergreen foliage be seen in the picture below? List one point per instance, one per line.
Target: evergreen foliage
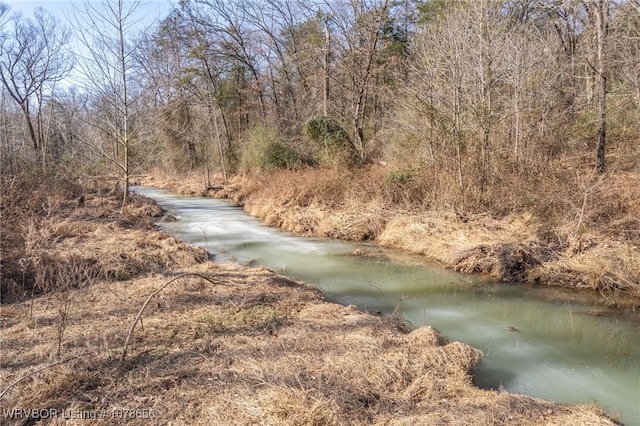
(333, 144)
(266, 149)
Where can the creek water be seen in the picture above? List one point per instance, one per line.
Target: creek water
(547, 343)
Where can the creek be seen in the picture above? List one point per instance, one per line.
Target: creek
(548, 343)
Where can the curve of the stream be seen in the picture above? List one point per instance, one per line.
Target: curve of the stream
(547, 343)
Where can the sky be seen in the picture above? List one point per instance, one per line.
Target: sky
(150, 10)
(147, 14)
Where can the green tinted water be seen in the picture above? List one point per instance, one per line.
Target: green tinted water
(542, 342)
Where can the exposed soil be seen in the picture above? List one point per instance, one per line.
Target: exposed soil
(233, 345)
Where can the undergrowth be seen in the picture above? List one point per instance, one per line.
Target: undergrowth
(48, 222)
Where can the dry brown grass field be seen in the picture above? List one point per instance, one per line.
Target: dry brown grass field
(223, 345)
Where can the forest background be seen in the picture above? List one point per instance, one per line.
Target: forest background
(495, 108)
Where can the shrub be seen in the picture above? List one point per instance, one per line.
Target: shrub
(326, 132)
(334, 147)
(265, 149)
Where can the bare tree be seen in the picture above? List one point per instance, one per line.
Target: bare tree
(4, 18)
(601, 12)
(227, 22)
(625, 44)
(567, 20)
(33, 58)
(163, 57)
(358, 26)
(105, 31)
(326, 66)
(437, 92)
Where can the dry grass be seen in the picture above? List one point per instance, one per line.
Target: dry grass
(613, 269)
(66, 240)
(264, 350)
(267, 351)
(542, 235)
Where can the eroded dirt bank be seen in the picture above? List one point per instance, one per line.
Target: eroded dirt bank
(516, 248)
(233, 345)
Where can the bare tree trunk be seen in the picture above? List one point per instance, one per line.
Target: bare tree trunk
(125, 106)
(327, 58)
(227, 133)
(215, 125)
(108, 70)
(126, 176)
(4, 130)
(602, 13)
(32, 57)
(363, 89)
(456, 134)
(30, 128)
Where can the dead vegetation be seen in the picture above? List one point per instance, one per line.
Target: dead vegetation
(577, 229)
(243, 346)
(59, 238)
(268, 350)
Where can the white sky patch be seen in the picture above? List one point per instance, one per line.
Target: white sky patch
(149, 13)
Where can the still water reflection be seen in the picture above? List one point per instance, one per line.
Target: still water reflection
(542, 342)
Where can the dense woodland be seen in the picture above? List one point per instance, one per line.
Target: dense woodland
(477, 105)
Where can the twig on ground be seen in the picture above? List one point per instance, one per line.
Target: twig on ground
(26, 376)
(151, 296)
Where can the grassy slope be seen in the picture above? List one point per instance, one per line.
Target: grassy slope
(593, 244)
(253, 348)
